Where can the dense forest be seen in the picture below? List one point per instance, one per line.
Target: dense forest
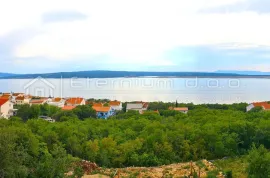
(32, 147)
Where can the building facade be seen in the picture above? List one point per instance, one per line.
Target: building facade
(6, 108)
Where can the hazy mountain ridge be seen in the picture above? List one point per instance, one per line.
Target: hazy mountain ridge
(243, 72)
(119, 74)
(6, 74)
(113, 74)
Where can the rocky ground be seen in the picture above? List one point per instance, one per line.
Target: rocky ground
(200, 168)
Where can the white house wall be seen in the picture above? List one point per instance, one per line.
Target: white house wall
(249, 107)
(6, 108)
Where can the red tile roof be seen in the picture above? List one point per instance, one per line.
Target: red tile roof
(114, 103)
(56, 99)
(264, 105)
(97, 105)
(5, 97)
(28, 96)
(102, 109)
(37, 101)
(40, 100)
(74, 100)
(68, 108)
(181, 109)
(7, 94)
(17, 94)
(3, 101)
(19, 98)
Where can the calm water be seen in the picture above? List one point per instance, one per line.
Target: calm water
(196, 90)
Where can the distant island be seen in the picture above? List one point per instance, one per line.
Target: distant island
(121, 74)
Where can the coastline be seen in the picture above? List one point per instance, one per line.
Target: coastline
(186, 76)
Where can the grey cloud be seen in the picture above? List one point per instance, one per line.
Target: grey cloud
(10, 41)
(259, 6)
(13, 39)
(60, 16)
(212, 57)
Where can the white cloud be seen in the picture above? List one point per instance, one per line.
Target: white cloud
(130, 32)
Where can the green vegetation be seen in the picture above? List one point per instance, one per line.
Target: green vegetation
(31, 147)
(254, 165)
(27, 112)
(259, 162)
(237, 166)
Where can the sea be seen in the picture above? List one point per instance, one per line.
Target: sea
(184, 90)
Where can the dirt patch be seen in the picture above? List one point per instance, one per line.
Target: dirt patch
(96, 176)
(200, 168)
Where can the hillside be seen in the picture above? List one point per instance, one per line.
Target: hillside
(118, 74)
(6, 75)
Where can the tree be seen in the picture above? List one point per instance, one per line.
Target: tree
(24, 112)
(41, 149)
(10, 157)
(259, 162)
(54, 163)
(84, 111)
(48, 110)
(57, 116)
(256, 109)
(29, 112)
(35, 111)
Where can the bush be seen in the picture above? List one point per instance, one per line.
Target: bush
(228, 174)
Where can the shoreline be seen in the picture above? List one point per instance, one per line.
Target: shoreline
(190, 76)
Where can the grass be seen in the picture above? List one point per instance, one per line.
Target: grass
(236, 165)
(134, 175)
(212, 174)
(200, 164)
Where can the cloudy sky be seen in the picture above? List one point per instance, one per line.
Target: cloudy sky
(153, 35)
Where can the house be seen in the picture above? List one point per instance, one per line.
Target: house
(68, 108)
(6, 108)
(38, 101)
(11, 96)
(116, 105)
(181, 109)
(19, 100)
(25, 99)
(104, 112)
(46, 118)
(138, 106)
(15, 95)
(75, 101)
(264, 105)
(59, 102)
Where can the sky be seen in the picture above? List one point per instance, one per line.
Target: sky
(137, 35)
